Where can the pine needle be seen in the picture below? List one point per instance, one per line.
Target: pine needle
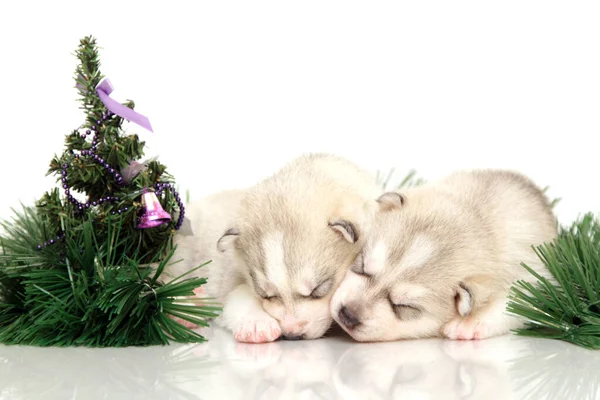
(568, 309)
(101, 299)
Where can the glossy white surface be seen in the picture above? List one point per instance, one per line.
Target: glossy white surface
(506, 367)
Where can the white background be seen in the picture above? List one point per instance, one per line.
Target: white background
(236, 89)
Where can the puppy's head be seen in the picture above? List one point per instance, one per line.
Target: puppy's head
(408, 280)
(295, 258)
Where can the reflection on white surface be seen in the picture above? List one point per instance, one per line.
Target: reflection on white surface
(507, 367)
(426, 369)
(80, 373)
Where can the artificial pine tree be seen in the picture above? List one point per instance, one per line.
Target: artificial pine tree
(76, 268)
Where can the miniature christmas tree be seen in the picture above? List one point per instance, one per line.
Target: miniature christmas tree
(76, 268)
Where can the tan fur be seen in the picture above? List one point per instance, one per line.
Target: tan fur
(209, 218)
(473, 229)
(294, 209)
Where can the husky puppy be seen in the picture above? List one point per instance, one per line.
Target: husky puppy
(295, 235)
(440, 259)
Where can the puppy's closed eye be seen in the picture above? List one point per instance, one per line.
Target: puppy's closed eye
(267, 293)
(322, 290)
(406, 312)
(358, 267)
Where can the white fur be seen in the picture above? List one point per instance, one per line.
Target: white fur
(274, 260)
(492, 321)
(209, 217)
(306, 288)
(418, 253)
(407, 292)
(244, 315)
(376, 259)
(351, 284)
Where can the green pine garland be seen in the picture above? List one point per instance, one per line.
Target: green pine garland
(568, 309)
(94, 284)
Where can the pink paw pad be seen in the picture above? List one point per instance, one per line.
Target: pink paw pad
(465, 329)
(258, 331)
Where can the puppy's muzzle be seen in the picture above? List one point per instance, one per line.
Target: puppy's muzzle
(347, 318)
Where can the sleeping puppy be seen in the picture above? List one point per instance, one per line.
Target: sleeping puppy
(440, 259)
(294, 237)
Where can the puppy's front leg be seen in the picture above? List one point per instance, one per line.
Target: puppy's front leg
(492, 320)
(244, 316)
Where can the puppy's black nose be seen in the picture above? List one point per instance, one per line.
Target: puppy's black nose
(348, 318)
(286, 337)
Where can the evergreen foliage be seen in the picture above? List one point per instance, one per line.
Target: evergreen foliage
(75, 269)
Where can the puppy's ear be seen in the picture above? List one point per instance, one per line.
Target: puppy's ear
(463, 300)
(227, 241)
(346, 228)
(391, 201)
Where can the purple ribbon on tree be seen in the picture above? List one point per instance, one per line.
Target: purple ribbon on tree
(104, 89)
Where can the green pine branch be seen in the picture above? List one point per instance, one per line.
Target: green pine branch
(91, 295)
(569, 308)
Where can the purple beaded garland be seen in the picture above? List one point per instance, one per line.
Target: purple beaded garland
(160, 187)
(159, 190)
(81, 206)
(50, 242)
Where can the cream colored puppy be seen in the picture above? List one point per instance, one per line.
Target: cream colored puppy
(295, 236)
(440, 259)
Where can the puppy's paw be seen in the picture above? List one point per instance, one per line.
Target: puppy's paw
(258, 329)
(467, 328)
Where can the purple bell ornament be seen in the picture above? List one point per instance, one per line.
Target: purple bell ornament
(153, 214)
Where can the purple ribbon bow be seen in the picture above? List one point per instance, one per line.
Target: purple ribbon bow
(104, 89)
